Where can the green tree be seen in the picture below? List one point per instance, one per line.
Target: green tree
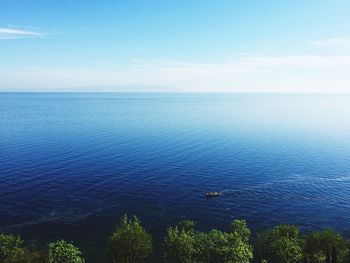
(281, 244)
(12, 250)
(239, 228)
(179, 243)
(326, 246)
(239, 239)
(64, 252)
(218, 246)
(187, 225)
(130, 243)
(231, 246)
(184, 244)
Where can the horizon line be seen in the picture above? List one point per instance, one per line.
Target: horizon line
(178, 92)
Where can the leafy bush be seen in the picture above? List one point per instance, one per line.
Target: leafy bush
(184, 244)
(326, 246)
(130, 243)
(12, 249)
(64, 252)
(179, 244)
(281, 244)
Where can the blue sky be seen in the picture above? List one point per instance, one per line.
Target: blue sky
(211, 46)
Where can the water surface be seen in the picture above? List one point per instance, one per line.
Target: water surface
(71, 164)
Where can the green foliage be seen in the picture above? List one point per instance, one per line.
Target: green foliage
(187, 225)
(326, 246)
(179, 244)
(12, 250)
(130, 243)
(224, 247)
(239, 237)
(184, 244)
(281, 244)
(239, 227)
(64, 252)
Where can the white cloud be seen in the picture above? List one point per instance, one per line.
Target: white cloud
(11, 33)
(253, 63)
(248, 73)
(341, 42)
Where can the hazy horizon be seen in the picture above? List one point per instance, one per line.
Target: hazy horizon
(172, 91)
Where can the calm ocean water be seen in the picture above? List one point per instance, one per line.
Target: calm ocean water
(71, 164)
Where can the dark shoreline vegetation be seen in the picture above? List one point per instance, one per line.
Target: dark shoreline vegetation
(131, 243)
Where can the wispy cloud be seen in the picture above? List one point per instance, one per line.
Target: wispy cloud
(339, 42)
(12, 33)
(247, 73)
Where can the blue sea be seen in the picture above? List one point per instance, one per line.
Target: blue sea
(72, 163)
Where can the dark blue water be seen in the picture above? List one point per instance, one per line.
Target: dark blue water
(72, 164)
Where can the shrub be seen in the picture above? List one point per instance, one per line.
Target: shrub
(130, 243)
(64, 252)
(12, 249)
(280, 244)
(184, 244)
(179, 244)
(326, 246)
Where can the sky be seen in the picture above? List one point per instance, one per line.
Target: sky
(175, 45)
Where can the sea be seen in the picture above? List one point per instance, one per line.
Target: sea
(71, 164)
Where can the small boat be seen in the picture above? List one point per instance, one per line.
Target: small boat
(212, 194)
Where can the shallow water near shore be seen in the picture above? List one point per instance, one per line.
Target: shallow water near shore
(72, 163)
